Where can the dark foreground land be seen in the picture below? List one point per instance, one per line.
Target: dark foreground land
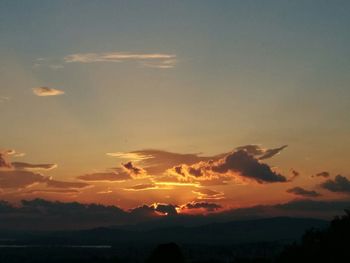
(263, 240)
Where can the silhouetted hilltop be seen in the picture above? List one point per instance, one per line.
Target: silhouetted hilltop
(259, 230)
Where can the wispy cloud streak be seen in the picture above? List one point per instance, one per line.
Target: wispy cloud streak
(154, 60)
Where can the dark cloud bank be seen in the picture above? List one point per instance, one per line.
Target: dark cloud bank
(340, 184)
(303, 192)
(39, 214)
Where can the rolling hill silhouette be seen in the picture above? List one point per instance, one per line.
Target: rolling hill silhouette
(257, 230)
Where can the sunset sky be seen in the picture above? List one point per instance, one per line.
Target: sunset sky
(205, 105)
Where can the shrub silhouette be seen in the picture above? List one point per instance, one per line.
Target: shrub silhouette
(166, 253)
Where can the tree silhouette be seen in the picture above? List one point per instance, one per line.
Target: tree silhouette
(322, 246)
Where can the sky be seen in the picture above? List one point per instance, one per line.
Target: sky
(205, 105)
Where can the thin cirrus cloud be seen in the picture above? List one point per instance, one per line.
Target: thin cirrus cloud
(118, 176)
(46, 91)
(14, 153)
(153, 60)
(48, 191)
(303, 192)
(129, 156)
(65, 184)
(142, 187)
(29, 166)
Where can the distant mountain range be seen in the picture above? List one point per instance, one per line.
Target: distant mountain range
(234, 232)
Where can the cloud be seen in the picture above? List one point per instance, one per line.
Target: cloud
(256, 151)
(252, 149)
(154, 209)
(236, 164)
(106, 176)
(64, 184)
(339, 184)
(303, 192)
(308, 205)
(295, 174)
(3, 162)
(156, 162)
(204, 193)
(55, 191)
(29, 166)
(10, 153)
(272, 152)
(45, 91)
(156, 60)
(210, 207)
(20, 175)
(49, 215)
(322, 174)
(19, 179)
(141, 187)
(247, 166)
(295, 208)
(144, 211)
(129, 156)
(14, 153)
(135, 172)
(163, 64)
(21, 165)
(167, 209)
(54, 215)
(193, 167)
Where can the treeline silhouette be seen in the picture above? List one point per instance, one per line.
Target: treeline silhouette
(322, 246)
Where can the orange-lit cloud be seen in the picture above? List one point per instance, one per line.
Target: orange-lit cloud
(134, 171)
(204, 193)
(65, 184)
(141, 187)
(29, 166)
(235, 164)
(46, 91)
(19, 179)
(19, 175)
(116, 175)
